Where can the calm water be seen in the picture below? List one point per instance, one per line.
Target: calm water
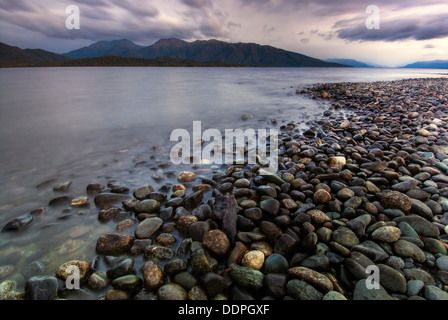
(99, 124)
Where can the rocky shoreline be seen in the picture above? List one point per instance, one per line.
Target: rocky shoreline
(366, 186)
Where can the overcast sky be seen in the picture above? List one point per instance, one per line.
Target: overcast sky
(410, 30)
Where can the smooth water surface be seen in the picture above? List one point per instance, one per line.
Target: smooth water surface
(99, 124)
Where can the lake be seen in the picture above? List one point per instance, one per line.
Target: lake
(88, 125)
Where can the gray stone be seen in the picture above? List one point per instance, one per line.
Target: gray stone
(406, 185)
(362, 292)
(419, 274)
(41, 288)
(334, 295)
(407, 230)
(407, 249)
(270, 206)
(421, 209)
(434, 246)
(109, 199)
(172, 292)
(372, 250)
(276, 263)
(300, 290)
(386, 234)
(422, 226)
(434, 293)
(247, 277)
(114, 243)
(129, 282)
(345, 237)
(148, 227)
(442, 263)
(147, 206)
(392, 279)
(414, 287)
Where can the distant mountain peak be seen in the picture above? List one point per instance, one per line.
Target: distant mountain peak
(350, 62)
(432, 64)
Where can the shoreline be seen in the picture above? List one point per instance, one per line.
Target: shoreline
(311, 231)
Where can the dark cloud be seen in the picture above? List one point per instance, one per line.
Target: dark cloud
(16, 5)
(137, 8)
(425, 28)
(331, 7)
(197, 3)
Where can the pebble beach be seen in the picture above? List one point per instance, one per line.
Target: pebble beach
(364, 187)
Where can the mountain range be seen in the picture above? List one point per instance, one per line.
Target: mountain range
(434, 64)
(351, 63)
(203, 50)
(166, 52)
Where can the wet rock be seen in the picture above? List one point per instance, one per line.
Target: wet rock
(334, 295)
(62, 187)
(158, 253)
(318, 216)
(337, 161)
(143, 193)
(79, 202)
(114, 243)
(7, 290)
(442, 263)
(407, 249)
(68, 269)
(421, 209)
(300, 290)
(377, 166)
(18, 224)
(98, 281)
(414, 287)
(186, 176)
(313, 277)
(317, 262)
(130, 282)
(247, 277)
(386, 234)
(117, 295)
(253, 259)
(147, 206)
(6, 271)
(372, 250)
(321, 196)
(275, 285)
(153, 276)
(60, 201)
(119, 266)
(41, 288)
(276, 263)
(435, 293)
(215, 284)
(405, 186)
(392, 279)
(201, 262)
(148, 227)
(396, 200)
(224, 210)
(345, 237)
(434, 246)
(35, 268)
(363, 292)
(422, 226)
(109, 199)
(270, 206)
(345, 194)
(217, 242)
